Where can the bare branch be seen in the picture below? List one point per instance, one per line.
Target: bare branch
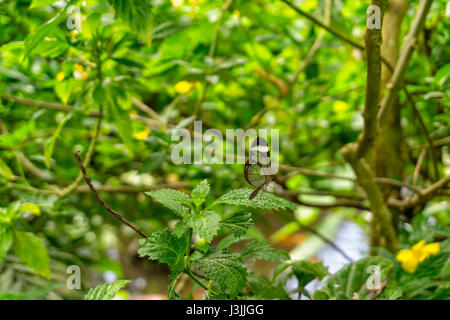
(102, 202)
(396, 81)
(425, 131)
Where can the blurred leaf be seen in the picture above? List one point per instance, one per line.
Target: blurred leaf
(261, 286)
(32, 252)
(6, 238)
(50, 144)
(40, 3)
(352, 278)
(31, 208)
(306, 271)
(5, 171)
(137, 14)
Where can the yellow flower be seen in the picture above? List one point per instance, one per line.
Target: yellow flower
(410, 258)
(60, 76)
(183, 87)
(177, 3)
(78, 68)
(85, 75)
(143, 134)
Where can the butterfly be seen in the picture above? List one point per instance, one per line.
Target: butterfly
(254, 169)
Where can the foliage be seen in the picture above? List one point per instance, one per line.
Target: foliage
(105, 291)
(136, 72)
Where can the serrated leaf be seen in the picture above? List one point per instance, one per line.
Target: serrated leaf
(306, 271)
(137, 14)
(205, 224)
(225, 270)
(200, 192)
(174, 200)
(6, 238)
(105, 291)
(180, 229)
(32, 252)
(261, 286)
(5, 171)
(263, 200)
(353, 278)
(165, 247)
(238, 223)
(262, 250)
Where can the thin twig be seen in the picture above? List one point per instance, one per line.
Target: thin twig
(146, 109)
(102, 202)
(396, 82)
(332, 31)
(425, 131)
(418, 166)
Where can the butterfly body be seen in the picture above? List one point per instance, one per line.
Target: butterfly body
(259, 159)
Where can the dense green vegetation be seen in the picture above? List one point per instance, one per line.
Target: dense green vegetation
(92, 92)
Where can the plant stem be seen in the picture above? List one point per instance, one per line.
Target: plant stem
(197, 280)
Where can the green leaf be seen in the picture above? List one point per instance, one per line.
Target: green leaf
(10, 296)
(238, 223)
(320, 295)
(353, 278)
(30, 208)
(263, 200)
(32, 252)
(225, 270)
(171, 293)
(122, 120)
(33, 40)
(174, 200)
(180, 229)
(306, 271)
(50, 144)
(165, 247)
(200, 192)
(262, 250)
(137, 14)
(40, 3)
(391, 293)
(205, 224)
(106, 291)
(6, 238)
(63, 90)
(5, 171)
(261, 286)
